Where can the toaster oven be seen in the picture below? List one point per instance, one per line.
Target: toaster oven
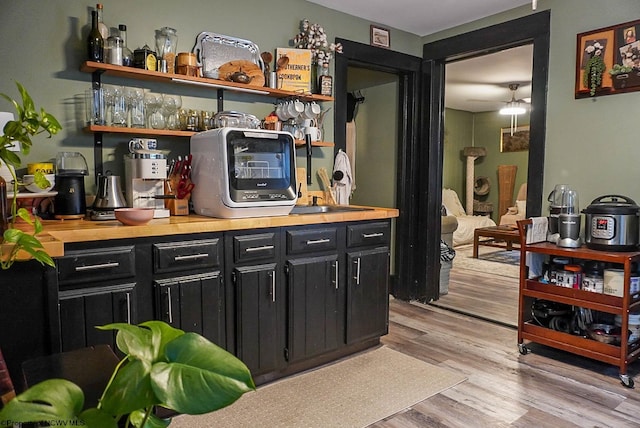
(243, 173)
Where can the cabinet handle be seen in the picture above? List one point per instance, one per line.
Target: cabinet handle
(191, 257)
(96, 267)
(336, 266)
(372, 235)
(318, 241)
(128, 308)
(273, 286)
(264, 247)
(357, 277)
(169, 299)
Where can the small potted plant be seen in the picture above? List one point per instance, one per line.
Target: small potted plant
(162, 366)
(29, 123)
(594, 67)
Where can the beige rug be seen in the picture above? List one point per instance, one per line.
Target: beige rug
(463, 260)
(354, 392)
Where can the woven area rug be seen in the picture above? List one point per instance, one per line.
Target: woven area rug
(354, 392)
(490, 260)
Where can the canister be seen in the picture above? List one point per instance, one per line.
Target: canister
(593, 280)
(614, 282)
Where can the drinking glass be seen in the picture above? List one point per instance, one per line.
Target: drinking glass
(153, 108)
(135, 105)
(94, 106)
(171, 104)
(119, 107)
(108, 104)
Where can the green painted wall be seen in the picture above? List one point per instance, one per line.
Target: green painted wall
(44, 46)
(458, 134)
(591, 143)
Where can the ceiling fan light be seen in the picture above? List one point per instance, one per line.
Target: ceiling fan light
(513, 109)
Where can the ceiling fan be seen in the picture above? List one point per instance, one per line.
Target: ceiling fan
(514, 107)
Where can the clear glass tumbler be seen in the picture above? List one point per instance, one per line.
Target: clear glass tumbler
(94, 106)
(119, 111)
(135, 105)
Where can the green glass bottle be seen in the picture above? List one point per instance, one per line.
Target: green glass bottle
(95, 42)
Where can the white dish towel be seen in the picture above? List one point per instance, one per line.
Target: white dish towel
(342, 186)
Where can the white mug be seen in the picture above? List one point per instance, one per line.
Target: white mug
(144, 144)
(315, 133)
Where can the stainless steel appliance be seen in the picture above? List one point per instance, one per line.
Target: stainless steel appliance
(612, 223)
(108, 198)
(243, 173)
(145, 175)
(555, 208)
(70, 201)
(569, 221)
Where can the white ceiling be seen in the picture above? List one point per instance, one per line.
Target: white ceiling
(421, 17)
(478, 84)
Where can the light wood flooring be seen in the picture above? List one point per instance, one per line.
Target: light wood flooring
(488, 296)
(545, 388)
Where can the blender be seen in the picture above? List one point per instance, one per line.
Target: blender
(70, 202)
(569, 221)
(556, 207)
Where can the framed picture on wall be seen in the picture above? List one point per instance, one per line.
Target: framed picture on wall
(517, 142)
(380, 37)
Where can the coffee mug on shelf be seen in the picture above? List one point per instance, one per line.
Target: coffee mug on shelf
(145, 144)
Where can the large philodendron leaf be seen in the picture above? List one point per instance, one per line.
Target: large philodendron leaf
(133, 340)
(199, 377)
(161, 334)
(53, 399)
(129, 390)
(97, 418)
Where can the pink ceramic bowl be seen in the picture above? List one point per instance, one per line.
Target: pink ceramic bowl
(134, 216)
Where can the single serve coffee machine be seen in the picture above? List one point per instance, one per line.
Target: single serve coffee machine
(145, 174)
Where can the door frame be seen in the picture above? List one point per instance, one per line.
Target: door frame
(533, 29)
(407, 68)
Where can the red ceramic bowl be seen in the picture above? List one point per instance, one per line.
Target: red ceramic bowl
(134, 216)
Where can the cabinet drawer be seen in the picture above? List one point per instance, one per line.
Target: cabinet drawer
(96, 265)
(368, 234)
(184, 255)
(306, 241)
(254, 247)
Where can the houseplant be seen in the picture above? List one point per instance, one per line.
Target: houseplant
(162, 366)
(313, 37)
(29, 123)
(594, 68)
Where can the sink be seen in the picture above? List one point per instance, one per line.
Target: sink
(319, 209)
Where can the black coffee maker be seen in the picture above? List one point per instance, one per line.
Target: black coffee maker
(70, 202)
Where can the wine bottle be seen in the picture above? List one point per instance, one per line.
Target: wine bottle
(95, 42)
(102, 27)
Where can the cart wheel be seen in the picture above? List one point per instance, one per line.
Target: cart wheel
(626, 380)
(523, 348)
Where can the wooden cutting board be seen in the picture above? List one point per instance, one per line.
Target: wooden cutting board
(301, 183)
(250, 68)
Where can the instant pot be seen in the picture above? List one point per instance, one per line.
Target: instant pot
(611, 223)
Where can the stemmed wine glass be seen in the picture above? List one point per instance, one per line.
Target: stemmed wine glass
(171, 104)
(153, 108)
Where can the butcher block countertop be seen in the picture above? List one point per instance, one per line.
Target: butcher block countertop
(60, 232)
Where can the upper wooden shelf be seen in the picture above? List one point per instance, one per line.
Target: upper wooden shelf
(155, 76)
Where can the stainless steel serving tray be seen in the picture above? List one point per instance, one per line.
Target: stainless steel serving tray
(213, 50)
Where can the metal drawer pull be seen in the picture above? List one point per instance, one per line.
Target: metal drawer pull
(170, 312)
(191, 257)
(273, 287)
(318, 241)
(358, 271)
(96, 267)
(128, 308)
(336, 264)
(372, 235)
(264, 247)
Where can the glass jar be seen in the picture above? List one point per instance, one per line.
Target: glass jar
(113, 50)
(167, 45)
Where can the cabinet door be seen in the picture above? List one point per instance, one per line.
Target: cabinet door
(367, 294)
(315, 315)
(193, 303)
(81, 310)
(260, 317)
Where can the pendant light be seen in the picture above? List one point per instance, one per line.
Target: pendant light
(513, 108)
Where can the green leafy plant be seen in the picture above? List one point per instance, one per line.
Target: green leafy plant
(620, 69)
(594, 67)
(163, 366)
(28, 124)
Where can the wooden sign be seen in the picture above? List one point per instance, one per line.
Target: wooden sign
(296, 75)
